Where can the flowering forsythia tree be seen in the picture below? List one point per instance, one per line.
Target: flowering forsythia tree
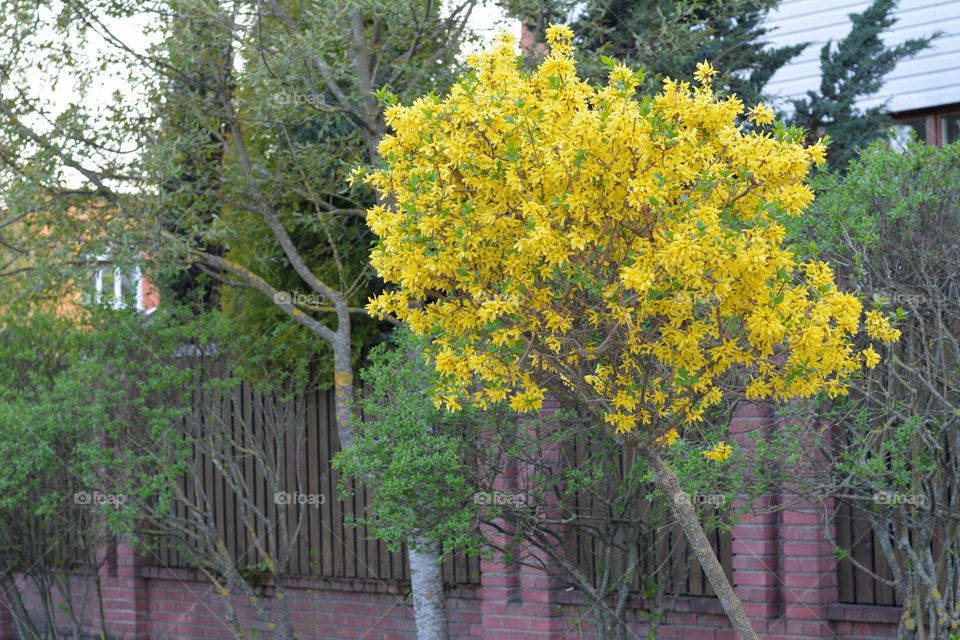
(623, 252)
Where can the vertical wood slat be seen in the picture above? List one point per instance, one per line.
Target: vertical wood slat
(309, 484)
(695, 582)
(371, 544)
(189, 483)
(335, 525)
(647, 554)
(309, 533)
(246, 416)
(326, 547)
(883, 593)
(684, 563)
(260, 483)
(323, 524)
(845, 587)
(726, 553)
(293, 462)
(216, 482)
(231, 515)
(862, 552)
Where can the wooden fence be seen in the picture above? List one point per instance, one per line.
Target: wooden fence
(663, 554)
(855, 585)
(332, 545)
(329, 545)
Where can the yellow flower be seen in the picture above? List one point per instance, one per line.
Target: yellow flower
(719, 453)
(559, 37)
(870, 357)
(761, 114)
(705, 72)
(879, 328)
(667, 439)
(818, 152)
(549, 234)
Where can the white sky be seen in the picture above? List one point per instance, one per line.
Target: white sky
(487, 20)
(57, 89)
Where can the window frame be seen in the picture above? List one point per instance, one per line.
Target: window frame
(118, 299)
(933, 120)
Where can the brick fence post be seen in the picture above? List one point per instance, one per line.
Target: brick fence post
(7, 627)
(784, 568)
(519, 602)
(809, 572)
(809, 567)
(756, 545)
(125, 593)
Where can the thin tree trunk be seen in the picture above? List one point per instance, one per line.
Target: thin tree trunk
(46, 598)
(26, 630)
(426, 578)
(98, 587)
(343, 384)
(666, 481)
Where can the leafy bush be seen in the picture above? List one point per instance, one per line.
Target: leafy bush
(891, 226)
(74, 392)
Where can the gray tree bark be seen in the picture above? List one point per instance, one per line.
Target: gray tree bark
(666, 481)
(426, 577)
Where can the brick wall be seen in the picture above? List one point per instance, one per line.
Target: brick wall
(784, 571)
(143, 602)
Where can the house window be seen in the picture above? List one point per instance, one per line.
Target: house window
(903, 131)
(936, 126)
(118, 288)
(950, 128)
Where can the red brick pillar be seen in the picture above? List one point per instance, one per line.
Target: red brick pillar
(125, 594)
(784, 569)
(809, 572)
(756, 545)
(529, 612)
(8, 630)
(519, 602)
(756, 567)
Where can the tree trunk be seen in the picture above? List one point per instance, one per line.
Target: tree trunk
(25, 628)
(343, 386)
(666, 481)
(426, 583)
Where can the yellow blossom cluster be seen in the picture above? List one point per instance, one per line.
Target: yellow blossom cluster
(625, 250)
(668, 438)
(720, 452)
